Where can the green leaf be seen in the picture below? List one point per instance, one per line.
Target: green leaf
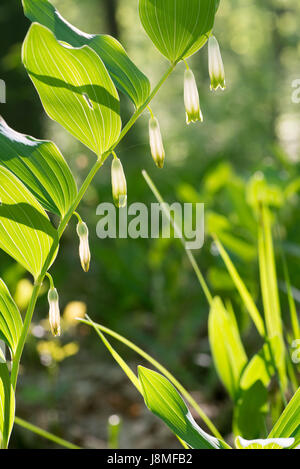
(166, 403)
(159, 367)
(269, 286)
(10, 318)
(26, 233)
(40, 166)
(178, 28)
(75, 88)
(242, 289)
(126, 76)
(127, 370)
(227, 349)
(288, 424)
(252, 405)
(7, 406)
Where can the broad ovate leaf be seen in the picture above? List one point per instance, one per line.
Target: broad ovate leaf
(166, 403)
(124, 73)
(75, 88)
(10, 318)
(226, 346)
(178, 28)
(40, 166)
(7, 406)
(26, 233)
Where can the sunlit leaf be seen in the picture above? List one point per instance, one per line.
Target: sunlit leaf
(126, 76)
(158, 366)
(288, 424)
(178, 28)
(40, 166)
(269, 286)
(242, 289)
(75, 88)
(7, 406)
(227, 349)
(252, 405)
(166, 403)
(10, 318)
(26, 233)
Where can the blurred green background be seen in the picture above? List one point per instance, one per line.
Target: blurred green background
(146, 289)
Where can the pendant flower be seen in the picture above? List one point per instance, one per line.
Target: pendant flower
(118, 182)
(54, 313)
(191, 98)
(84, 248)
(215, 65)
(156, 143)
(269, 443)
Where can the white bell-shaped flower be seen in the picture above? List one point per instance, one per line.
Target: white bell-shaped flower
(156, 142)
(215, 65)
(54, 313)
(191, 98)
(84, 248)
(118, 182)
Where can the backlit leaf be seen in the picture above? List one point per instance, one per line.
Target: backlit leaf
(252, 405)
(288, 425)
(227, 349)
(178, 28)
(10, 318)
(126, 76)
(166, 403)
(40, 166)
(7, 406)
(26, 233)
(75, 88)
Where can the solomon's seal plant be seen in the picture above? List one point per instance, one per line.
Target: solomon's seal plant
(78, 78)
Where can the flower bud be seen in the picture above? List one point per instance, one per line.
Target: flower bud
(118, 181)
(54, 313)
(84, 248)
(215, 64)
(156, 143)
(191, 98)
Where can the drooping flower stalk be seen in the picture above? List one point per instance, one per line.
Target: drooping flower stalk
(84, 248)
(215, 65)
(191, 98)
(156, 142)
(118, 182)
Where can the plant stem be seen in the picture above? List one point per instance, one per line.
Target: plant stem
(190, 256)
(65, 221)
(22, 340)
(160, 368)
(44, 434)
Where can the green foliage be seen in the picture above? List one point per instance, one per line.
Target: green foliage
(126, 76)
(165, 402)
(40, 166)
(75, 88)
(178, 29)
(10, 319)
(26, 233)
(76, 76)
(7, 407)
(288, 424)
(226, 345)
